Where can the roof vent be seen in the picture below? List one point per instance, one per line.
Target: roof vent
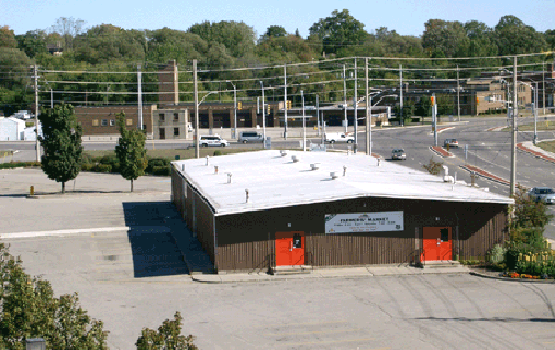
(207, 157)
(246, 195)
(216, 169)
(283, 153)
(295, 159)
(182, 167)
(229, 175)
(315, 166)
(344, 170)
(333, 175)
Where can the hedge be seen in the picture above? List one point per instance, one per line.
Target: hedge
(17, 165)
(164, 170)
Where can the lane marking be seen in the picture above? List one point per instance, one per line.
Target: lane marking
(299, 324)
(56, 233)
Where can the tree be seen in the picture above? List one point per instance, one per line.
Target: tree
(273, 31)
(131, 152)
(445, 37)
(61, 142)
(68, 28)
(339, 30)
(30, 310)
(515, 37)
(7, 38)
(167, 337)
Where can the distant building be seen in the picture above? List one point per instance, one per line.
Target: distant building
(12, 129)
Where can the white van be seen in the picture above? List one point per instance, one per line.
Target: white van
(212, 141)
(333, 137)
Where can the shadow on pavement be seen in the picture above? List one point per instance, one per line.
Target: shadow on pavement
(154, 250)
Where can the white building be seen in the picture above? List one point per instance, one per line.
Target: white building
(30, 135)
(12, 129)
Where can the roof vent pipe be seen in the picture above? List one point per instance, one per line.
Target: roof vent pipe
(379, 161)
(229, 178)
(315, 166)
(207, 157)
(333, 175)
(216, 169)
(283, 153)
(295, 159)
(247, 195)
(344, 170)
(182, 167)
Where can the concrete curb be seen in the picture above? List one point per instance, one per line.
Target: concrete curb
(438, 153)
(501, 278)
(537, 152)
(501, 181)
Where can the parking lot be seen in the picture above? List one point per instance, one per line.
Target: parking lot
(135, 280)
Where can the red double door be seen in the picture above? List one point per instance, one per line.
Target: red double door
(290, 248)
(437, 244)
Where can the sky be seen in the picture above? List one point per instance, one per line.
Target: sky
(406, 17)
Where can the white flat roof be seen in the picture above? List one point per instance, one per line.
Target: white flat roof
(274, 181)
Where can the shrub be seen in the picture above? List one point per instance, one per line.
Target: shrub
(163, 170)
(17, 165)
(104, 168)
(511, 258)
(156, 162)
(86, 159)
(218, 153)
(86, 167)
(497, 254)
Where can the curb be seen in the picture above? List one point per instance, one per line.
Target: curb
(438, 153)
(499, 181)
(536, 154)
(70, 194)
(501, 278)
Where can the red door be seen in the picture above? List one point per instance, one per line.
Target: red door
(437, 244)
(289, 248)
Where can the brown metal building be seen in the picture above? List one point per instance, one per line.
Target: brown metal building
(297, 213)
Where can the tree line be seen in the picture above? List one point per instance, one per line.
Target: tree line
(228, 44)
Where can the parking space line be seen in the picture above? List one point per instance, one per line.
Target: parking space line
(299, 324)
(315, 332)
(326, 341)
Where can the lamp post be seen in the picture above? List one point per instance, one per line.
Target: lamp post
(304, 123)
(369, 128)
(534, 104)
(345, 97)
(263, 115)
(234, 110)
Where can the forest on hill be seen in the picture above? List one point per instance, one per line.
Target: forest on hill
(231, 51)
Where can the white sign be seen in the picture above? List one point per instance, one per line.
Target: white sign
(364, 222)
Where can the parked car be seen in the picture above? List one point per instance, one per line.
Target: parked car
(451, 143)
(398, 154)
(250, 136)
(213, 141)
(542, 194)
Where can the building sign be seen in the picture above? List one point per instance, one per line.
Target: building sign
(364, 222)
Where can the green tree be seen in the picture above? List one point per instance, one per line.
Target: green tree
(168, 337)
(273, 31)
(30, 310)
(445, 37)
(515, 37)
(7, 38)
(131, 152)
(339, 30)
(61, 142)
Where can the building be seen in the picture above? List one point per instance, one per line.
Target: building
(261, 210)
(102, 120)
(12, 129)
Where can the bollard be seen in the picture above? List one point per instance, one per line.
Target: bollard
(32, 190)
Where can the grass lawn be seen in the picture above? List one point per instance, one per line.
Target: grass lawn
(170, 153)
(548, 146)
(544, 125)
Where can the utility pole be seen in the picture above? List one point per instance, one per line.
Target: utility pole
(368, 116)
(515, 127)
(195, 83)
(355, 105)
(402, 122)
(434, 118)
(51, 98)
(285, 98)
(543, 87)
(345, 96)
(263, 116)
(458, 96)
(318, 112)
(37, 144)
(304, 123)
(139, 98)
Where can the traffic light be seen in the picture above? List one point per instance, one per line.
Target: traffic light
(268, 109)
(239, 105)
(433, 99)
(288, 104)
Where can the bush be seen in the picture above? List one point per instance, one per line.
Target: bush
(86, 167)
(86, 159)
(218, 153)
(103, 168)
(17, 165)
(511, 258)
(163, 170)
(497, 254)
(153, 162)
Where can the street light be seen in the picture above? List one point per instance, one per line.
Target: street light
(234, 110)
(534, 105)
(304, 124)
(369, 126)
(263, 116)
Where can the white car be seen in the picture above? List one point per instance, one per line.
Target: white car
(542, 194)
(398, 154)
(213, 141)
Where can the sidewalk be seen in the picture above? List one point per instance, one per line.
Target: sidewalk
(528, 146)
(335, 272)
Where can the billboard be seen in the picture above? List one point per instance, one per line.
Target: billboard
(364, 222)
